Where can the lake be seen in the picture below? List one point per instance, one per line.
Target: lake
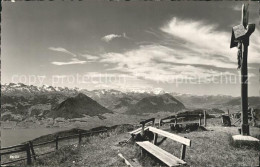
(11, 137)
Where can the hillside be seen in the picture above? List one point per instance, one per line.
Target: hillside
(209, 148)
(20, 102)
(154, 104)
(252, 102)
(200, 111)
(19, 108)
(206, 101)
(77, 107)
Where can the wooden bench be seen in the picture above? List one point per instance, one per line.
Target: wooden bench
(161, 154)
(137, 131)
(170, 120)
(143, 128)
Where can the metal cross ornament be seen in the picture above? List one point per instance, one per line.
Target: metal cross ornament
(240, 39)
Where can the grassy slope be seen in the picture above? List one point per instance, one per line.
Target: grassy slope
(98, 150)
(209, 148)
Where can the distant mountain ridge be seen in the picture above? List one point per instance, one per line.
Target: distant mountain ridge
(18, 89)
(252, 101)
(20, 101)
(78, 107)
(154, 104)
(21, 89)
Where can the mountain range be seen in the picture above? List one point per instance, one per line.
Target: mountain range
(19, 101)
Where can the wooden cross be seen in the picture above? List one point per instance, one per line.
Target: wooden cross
(240, 38)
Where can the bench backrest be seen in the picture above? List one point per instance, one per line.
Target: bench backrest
(169, 135)
(152, 120)
(148, 120)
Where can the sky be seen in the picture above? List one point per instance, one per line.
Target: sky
(181, 47)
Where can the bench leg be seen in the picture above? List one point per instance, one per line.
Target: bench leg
(142, 152)
(183, 151)
(155, 138)
(142, 132)
(159, 125)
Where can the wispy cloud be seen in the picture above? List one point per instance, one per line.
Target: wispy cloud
(153, 33)
(110, 37)
(237, 7)
(160, 63)
(202, 46)
(123, 82)
(90, 57)
(202, 39)
(254, 47)
(59, 49)
(207, 42)
(73, 61)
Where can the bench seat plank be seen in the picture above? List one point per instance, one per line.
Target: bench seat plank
(161, 154)
(171, 136)
(137, 131)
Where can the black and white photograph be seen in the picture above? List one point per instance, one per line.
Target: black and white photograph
(130, 83)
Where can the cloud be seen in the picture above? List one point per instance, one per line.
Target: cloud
(207, 42)
(197, 49)
(110, 37)
(59, 49)
(200, 38)
(125, 83)
(90, 57)
(254, 47)
(159, 63)
(73, 61)
(237, 7)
